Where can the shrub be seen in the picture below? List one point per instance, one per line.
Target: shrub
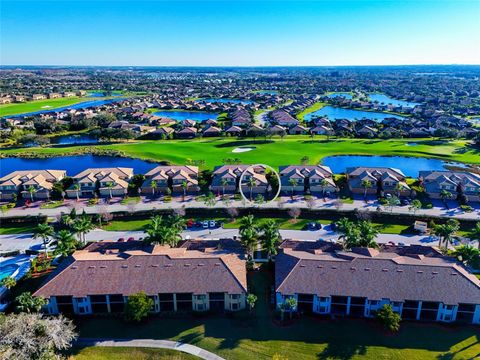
(138, 306)
(466, 208)
(389, 318)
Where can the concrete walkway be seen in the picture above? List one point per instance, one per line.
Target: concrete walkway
(150, 343)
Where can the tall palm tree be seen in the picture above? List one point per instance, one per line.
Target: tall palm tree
(368, 234)
(446, 232)
(43, 232)
(467, 254)
(153, 184)
(66, 243)
(82, 226)
(76, 187)
(475, 234)
(323, 185)
(165, 231)
(270, 237)
(251, 184)
(415, 205)
(293, 183)
(110, 185)
(398, 189)
(249, 239)
(31, 191)
(445, 195)
(366, 184)
(210, 199)
(184, 188)
(224, 183)
(247, 222)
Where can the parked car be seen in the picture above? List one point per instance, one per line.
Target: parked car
(212, 224)
(205, 224)
(313, 225)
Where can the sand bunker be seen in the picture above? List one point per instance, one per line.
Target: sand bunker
(242, 149)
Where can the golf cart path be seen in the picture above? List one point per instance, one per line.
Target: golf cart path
(150, 343)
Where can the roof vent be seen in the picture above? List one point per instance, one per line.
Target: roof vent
(367, 269)
(385, 270)
(334, 267)
(419, 272)
(399, 270)
(91, 267)
(187, 265)
(201, 264)
(154, 265)
(434, 272)
(74, 267)
(168, 265)
(217, 264)
(320, 266)
(137, 266)
(353, 268)
(124, 266)
(453, 274)
(103, 267)
(302, 265)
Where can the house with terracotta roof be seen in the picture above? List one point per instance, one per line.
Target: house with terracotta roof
(454, 182)
(187, 133)
(30, 184)
(417, 281)
(226, 178)
(171, 177)
(108, 182)
(100, 278)
(382, 181)
(307, 178)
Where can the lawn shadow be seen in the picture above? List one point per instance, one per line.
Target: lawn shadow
(341, 351)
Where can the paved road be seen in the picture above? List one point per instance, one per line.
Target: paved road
(284, 202)
(150, 343)
(22, 242)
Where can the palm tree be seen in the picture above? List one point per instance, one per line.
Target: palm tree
(293, 183)
(29, 304)
(82, 226)
(366, 184)
(323, 185)
(165, 231)
(270, 237)
(76, 187)
(31, 191)
(415, 205)
(224, 183)
(475, 234)
(251, 184)
(153, 184)
(445, 195)
(66, 243)
(446, 232)
(43, 232)
(210, 199)
(249, 239)
(247, 222)
(368, 234)
(398, 189)
(184, 188)
(392, 202)
(467, 254)
(110, 185)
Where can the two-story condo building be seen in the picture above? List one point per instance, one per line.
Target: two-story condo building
(435, 182)
(175, 178)
(107, 181)
(30, 184)
(195, 277)
(226, 179)
(417, 281)
(381, 180)
(307, 178)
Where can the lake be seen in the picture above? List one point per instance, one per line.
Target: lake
(80, 105)
(74, 164)
(101, 94)
(191, 115)
(333, 112)
(410, 166)
(386, 100)
(269, 92)
(346, 95)
(227, 101)
(73, 139)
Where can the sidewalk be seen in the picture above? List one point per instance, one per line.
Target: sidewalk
(150, 343)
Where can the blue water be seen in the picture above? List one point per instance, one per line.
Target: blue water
(7, 270)
(74, 164)
(410, 166)
(81, 105)
(191, 115)
(227, 101)
(269, 92)
(346, 95)
(73, 139)
(101, 94)
(386, 100)
(333, 113)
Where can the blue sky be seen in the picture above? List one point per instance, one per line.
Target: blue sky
(239, 33)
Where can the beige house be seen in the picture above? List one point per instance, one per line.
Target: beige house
(226, 179)
(38, 97)
(379, 180)
(30, 184)
(176, 178)
(308, 178)
(435, 182)
(108, 181)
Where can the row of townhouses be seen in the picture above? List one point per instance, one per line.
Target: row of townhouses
(417, 281)
(315, 179)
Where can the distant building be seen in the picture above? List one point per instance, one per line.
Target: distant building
(435, 182)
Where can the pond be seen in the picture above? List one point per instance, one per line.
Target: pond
(101, 94)
(73, 139)
(346, 95)
(268, 92)
(184, 115)
(333, 112)
(80, 105)
(74, 164)
(410, 166)
(226, 101)
(386, 100)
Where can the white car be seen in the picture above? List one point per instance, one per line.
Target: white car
(205, 224)
(212, 223)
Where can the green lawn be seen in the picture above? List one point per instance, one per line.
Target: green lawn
(52, 204)
(245, 336)
(274, 153)
(29, 106)
(310, 109)
(9, 230)
(124, 353)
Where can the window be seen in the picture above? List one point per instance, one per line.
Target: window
(235, 296)
(234, 306)
(373, 302)
(323, 299)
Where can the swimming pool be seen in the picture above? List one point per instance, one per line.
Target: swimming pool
(7, 270)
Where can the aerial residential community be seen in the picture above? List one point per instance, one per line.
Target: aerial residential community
(239, 180)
